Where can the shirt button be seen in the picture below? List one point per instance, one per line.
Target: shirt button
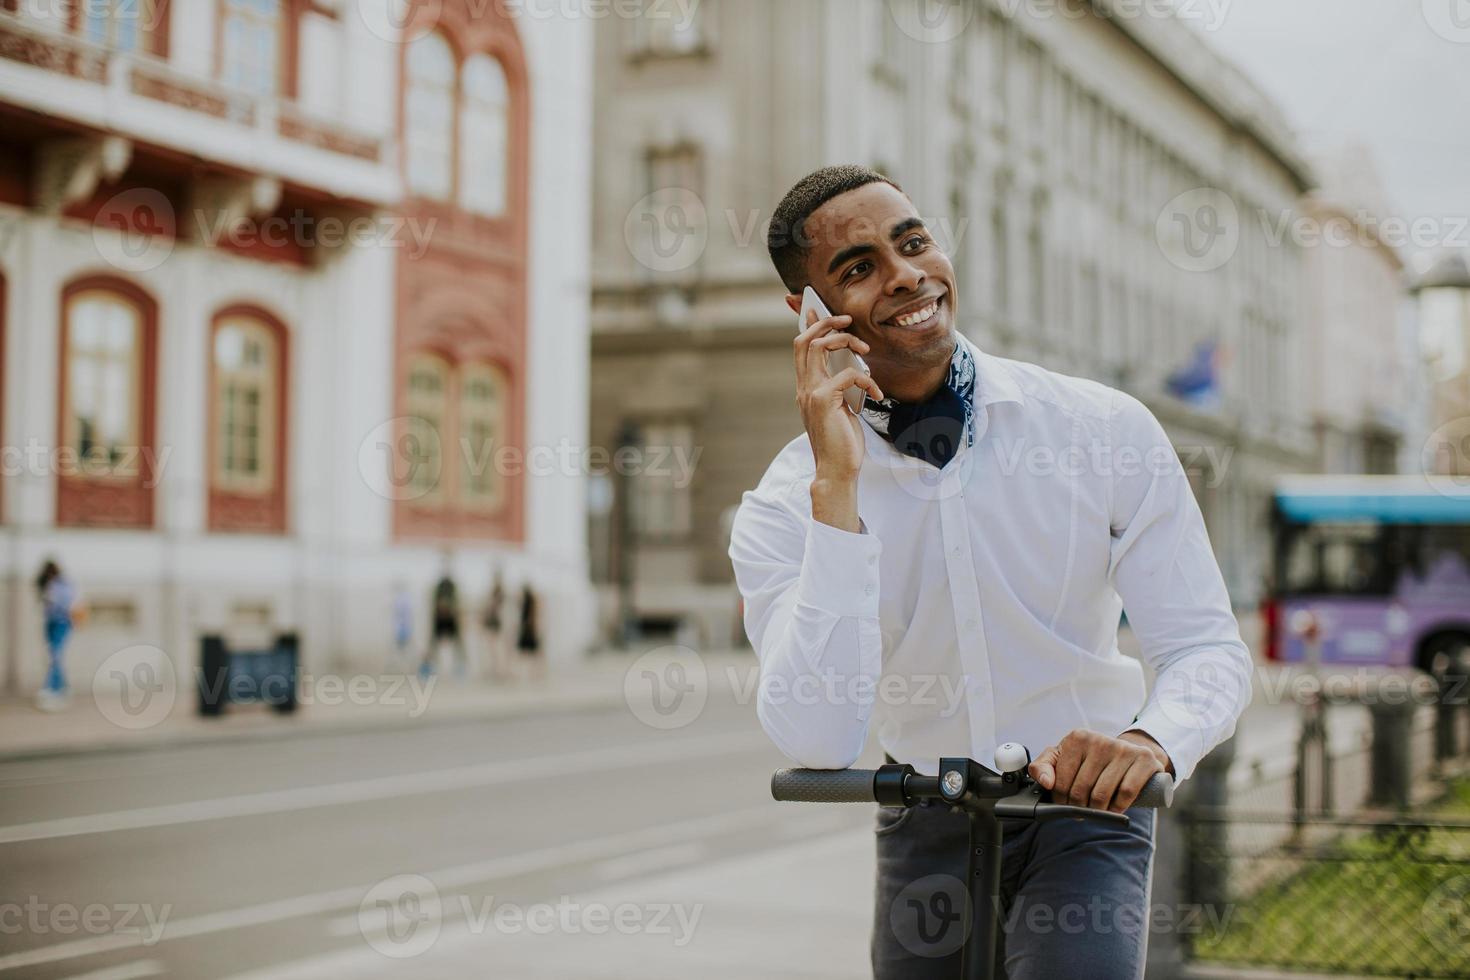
(869, 590)
(872, 559)
(955, 551)
(970, 623)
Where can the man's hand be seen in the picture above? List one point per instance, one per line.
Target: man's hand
(835, 433)
(1091, 769)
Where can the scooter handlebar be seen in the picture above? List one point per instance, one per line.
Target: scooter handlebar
(856, 786)
(823, 785)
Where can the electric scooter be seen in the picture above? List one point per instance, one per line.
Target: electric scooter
(984, 797)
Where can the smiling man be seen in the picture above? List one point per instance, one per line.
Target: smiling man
(949, 569)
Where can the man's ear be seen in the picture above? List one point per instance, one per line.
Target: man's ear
(793, 300)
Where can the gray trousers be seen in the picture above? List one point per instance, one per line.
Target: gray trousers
(1074, 896)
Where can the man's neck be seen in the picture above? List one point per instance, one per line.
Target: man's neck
(913, 383)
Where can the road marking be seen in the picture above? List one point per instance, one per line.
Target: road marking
(457, 876)
(386, 787)
(451, 954)
(125, 971)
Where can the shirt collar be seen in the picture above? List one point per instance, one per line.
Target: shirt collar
(960, 380)
(993, 382)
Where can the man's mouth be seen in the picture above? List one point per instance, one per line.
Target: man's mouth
(918, 316)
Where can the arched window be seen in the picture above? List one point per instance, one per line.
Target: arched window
(426, 404)
(108, 471)
(482, 433)
(484, 128)
(251, 32)
(429, 123)
(103, 412)
(246, 390)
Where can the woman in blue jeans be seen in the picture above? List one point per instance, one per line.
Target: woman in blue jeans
(57, 597)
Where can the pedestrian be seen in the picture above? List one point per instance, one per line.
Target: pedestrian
(445, 610)
(494, 629)
(529, 642)
(57, 599)
(402, 629)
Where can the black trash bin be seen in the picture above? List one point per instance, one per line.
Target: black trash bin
(241, 676)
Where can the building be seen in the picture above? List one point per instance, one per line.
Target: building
(1106, 185)
(1442, 298)
(270, 274)
(1358, 397)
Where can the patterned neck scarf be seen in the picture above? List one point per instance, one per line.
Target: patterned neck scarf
(931, 430)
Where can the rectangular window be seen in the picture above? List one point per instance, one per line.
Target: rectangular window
(670, 29)
(662, 498)
(482, 435)
(672, 219)
(115, 23)
(1036, 259)
(1000, 254)
(251, 33)
(246, 364)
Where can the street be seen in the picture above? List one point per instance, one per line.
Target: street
(602, 841)
(582, 843)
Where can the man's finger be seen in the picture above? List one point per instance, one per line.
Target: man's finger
(1043, 767)
(817, 350)
(816, 360)
(1070, 753)
(1105, 789)
(805, 377)
(1133, 782)
(1079, 792)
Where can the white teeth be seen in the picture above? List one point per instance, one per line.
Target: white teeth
(918, 316)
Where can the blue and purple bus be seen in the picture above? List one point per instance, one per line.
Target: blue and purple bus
(1382, 564)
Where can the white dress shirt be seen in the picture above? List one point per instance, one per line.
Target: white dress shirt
(980, 602)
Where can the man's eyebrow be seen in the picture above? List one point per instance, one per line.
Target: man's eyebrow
(907, 224)
(851, 252)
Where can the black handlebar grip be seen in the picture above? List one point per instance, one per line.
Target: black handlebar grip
(824, 785)
(1157, 792)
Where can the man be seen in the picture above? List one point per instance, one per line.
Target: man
(951, 567)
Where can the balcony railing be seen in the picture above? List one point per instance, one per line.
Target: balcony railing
(150, 78)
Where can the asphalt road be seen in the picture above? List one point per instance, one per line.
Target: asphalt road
(344, 854)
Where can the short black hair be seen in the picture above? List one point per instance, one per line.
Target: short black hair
(786, 240)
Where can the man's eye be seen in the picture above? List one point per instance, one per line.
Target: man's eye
(915, 243)
(856, 270)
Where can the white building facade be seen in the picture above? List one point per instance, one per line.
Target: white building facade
(1361, 388)
(292, 294)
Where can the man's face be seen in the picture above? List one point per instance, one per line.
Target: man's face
(872, 259)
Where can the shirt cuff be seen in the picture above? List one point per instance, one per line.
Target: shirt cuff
(839, 571)
(1183, 743)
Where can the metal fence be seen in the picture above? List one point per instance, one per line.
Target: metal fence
(1308, 866)
(1376, 896)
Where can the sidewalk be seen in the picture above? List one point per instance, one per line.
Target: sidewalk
(147, 713)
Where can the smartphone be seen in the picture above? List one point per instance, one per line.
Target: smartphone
(838, 360)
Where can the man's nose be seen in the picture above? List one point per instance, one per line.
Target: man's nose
(905, 277)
